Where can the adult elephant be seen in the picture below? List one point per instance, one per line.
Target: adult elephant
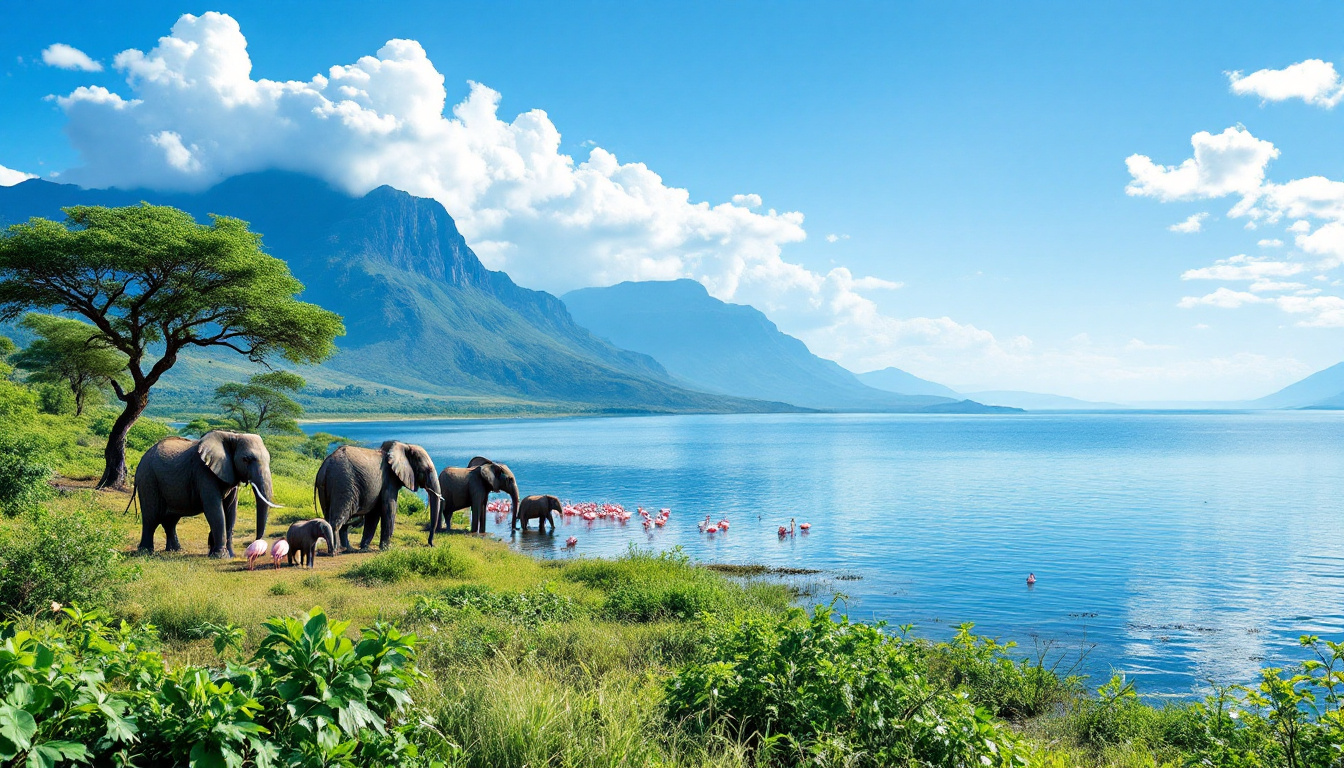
(179, 478)
(471, 487)
(364, 482)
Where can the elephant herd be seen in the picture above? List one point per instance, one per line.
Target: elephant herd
(179, 478)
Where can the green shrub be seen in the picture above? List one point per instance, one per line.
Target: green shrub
(643, 587)
(281, 588)
(87, 692)
(184, 619)
(25, 472)
(814, 690)
(17, 402)
(55, 399)
(61, 555)
(144, 433)
(399, 564)
(532, 607)
(1015, 689)
(319, 444)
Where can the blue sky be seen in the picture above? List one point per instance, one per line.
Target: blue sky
(974, 154)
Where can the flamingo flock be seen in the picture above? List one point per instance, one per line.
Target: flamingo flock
(258, 548)
(655, 521)
(791, 528)
(709, 526)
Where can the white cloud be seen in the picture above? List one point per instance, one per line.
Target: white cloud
(1243, 267)
(64, 56)
(1191, 225)
(1300, 227)
(1263, 285)
(9, 177)
(1225, 298)
(1232, 162)
(834, 238)
(1313, 81)
(1270, 242)
(750, 200)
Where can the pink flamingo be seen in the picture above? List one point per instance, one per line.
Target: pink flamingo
(254, 550)
(805, 526)
(783, 531)
(571, 541)
(1031, 579)
(723, 525)
(278, 550)
(712, 529)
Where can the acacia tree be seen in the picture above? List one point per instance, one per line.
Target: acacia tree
(71, 353)
(154, 282)
(262, 405)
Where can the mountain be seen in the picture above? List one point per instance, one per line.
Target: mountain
(1323, 389)
(1035, 401)
(896, 380)
(422, 314)
(731, 349)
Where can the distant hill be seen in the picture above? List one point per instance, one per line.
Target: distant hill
(896, 380)
(1323, 389)
(732, 349)
(1034, 401)
(423, 314)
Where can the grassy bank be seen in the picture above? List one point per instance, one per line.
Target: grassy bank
(643, 660)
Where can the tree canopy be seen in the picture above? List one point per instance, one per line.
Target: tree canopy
(71, 353)
(154, 282)
(263, 403)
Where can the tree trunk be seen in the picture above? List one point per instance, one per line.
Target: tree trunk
(114, 456)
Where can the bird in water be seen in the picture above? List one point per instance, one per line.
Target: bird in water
(1031, 579)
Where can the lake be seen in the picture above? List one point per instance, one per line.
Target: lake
(1178, 548)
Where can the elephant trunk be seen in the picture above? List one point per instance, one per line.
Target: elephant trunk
(431, 486)
(513, 496)
(330, 536)
(263, 491)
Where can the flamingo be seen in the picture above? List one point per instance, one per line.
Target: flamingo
(278, 550)
(254, 550)
(1031, 579)
(783, 531)
(805, 526)
(571, 541)
(723, 524)
(712, 529)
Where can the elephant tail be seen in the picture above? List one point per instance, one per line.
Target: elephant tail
(134, 492)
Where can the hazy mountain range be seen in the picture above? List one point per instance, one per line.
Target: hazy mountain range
(431, 330)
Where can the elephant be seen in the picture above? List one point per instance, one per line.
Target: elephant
(303, 536)
(537, 508)
(364, 482)
(178, 478)
(471, 487)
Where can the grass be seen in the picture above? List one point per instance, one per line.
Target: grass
(554, 663)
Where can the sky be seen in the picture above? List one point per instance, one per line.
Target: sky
(1133, 202)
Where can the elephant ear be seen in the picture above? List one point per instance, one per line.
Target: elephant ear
(487, 471)
(477, 461)
(216, 450)
(400, 463)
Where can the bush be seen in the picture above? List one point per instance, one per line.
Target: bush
(62, 556)
(645, 587)
(399, 564)
(17, 402)
(144, 433)
(85, 691)
(320, 444)
(55, 399)
(532, 607)
(1017, 690)
(25, 472)
(183, 619)
(816, 690)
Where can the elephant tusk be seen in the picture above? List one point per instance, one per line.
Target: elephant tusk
(269, 503)
(432, 493)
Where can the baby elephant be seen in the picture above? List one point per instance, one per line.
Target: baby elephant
(537, 508)
(303, 537)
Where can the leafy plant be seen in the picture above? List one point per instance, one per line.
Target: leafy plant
(530, 607)
(813, 688)
(263, 404)
(62, 555)
(399, 564)
(25, 469)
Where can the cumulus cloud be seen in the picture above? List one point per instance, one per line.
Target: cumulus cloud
(1232, 162)
(1225, 298)
(834, 238)
(193, 115)
(1270, 242)
(1243, 267)
(1193, 224)
(1313, 81)
(9, 177)
(63, 56)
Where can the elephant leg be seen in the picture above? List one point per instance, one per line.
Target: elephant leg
(343, 531)
(230, 514)
(171, 544)
(149, 522)
(478, 516)
(370, 526)
(389, 523)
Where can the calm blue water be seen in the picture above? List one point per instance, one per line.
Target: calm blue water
(1186, 547)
